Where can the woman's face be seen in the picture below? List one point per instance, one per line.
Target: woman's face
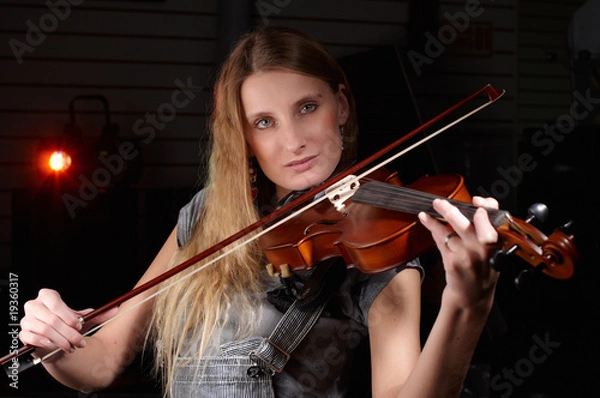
(292, 127)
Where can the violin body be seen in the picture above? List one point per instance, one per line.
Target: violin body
(377, 229)
(368, 238)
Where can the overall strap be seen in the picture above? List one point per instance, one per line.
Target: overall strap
(274, 351)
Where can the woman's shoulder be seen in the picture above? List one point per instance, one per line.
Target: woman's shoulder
(187, 217)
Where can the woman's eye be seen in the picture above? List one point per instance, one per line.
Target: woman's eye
(263, 123)
(308, 108)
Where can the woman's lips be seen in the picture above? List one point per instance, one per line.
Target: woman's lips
(301, 164)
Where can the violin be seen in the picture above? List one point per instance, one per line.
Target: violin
(376, 229)
(399, 234)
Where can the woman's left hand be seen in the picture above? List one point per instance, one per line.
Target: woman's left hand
(465, 248)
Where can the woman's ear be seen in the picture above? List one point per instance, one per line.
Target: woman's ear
(343, 107)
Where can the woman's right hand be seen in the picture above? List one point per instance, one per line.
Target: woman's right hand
(49, 323)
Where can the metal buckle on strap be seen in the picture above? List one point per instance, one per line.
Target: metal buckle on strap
(254, 355)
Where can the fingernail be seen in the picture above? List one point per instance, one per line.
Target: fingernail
(82, 343)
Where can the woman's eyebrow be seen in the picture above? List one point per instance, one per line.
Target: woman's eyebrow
(308, 98)
(304, 99)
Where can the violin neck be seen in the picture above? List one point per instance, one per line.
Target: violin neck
(407, 200)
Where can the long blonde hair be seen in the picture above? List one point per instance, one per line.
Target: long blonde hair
(196, 308)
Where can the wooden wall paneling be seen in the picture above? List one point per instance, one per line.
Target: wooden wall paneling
(107, 49)
(155, 176)
(130, 52)
(98, 73)
(113, 21)
(352, 28)
(173, 177)
(120, 101)
(178, 99)
(348, 33)
(456, 65)
(352, 11)
(132, 7)
(165, 153)
(544, 61)
(543, 84)
(30, 125)
(453, 74)
(551, 8)
(564, 175)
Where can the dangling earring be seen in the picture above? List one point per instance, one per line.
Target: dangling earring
(252, 171)
(342, 136)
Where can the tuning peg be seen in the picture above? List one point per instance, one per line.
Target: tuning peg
(499, 259)
(567, 227)
(537, 211)
(524, 280)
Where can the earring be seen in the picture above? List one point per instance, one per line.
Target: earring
(252, 171)
(342, 136)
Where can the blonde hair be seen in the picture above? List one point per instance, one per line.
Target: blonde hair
(196, 308)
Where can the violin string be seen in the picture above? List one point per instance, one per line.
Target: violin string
(283, 220)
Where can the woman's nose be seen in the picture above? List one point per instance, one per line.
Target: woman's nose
(294, 138)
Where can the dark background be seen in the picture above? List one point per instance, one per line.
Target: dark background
(541, 337)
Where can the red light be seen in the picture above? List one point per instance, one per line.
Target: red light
(59, 161)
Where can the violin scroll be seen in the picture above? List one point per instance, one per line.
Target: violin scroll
(554, 255)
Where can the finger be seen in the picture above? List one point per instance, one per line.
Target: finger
(40, 320)
(486, 232)
(440, 233)
(436, 228)
(452, 215)
(40, 334)
(478, 232)
(29, 338)
(490, 203)
(52, 300)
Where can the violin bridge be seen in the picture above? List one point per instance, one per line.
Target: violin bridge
(271, 270)
(342, 191)
(284, 271)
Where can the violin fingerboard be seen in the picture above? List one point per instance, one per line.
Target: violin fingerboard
(407, 200)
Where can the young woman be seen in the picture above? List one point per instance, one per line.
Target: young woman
(283, 121)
